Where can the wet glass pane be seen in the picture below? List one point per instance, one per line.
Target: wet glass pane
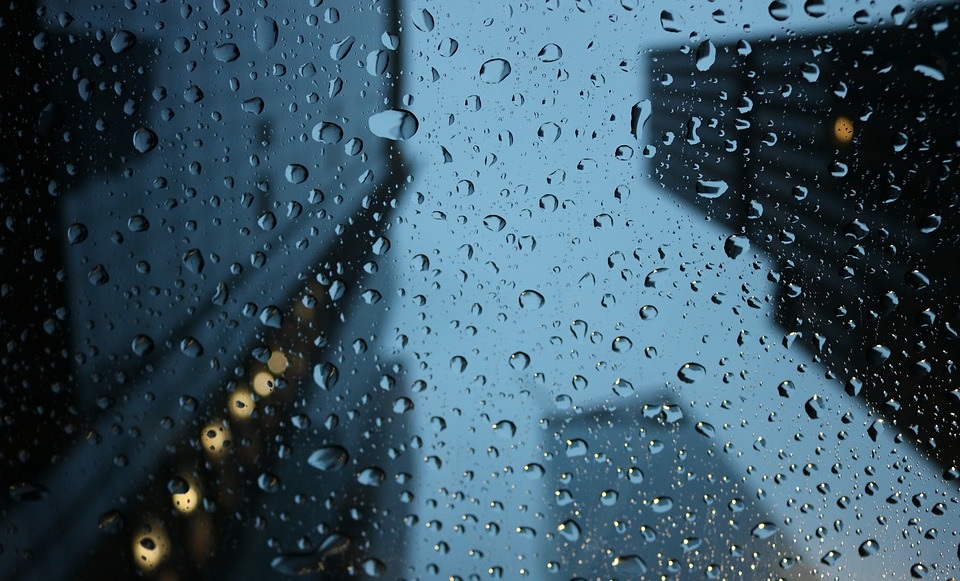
(563, 289)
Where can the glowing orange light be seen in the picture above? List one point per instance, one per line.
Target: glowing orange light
(151, 545)
(241, 404)
(843, 129)
(215, 438)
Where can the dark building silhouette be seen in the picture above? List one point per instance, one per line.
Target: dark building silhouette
(176, 345)
(833, 154)
(647, 491)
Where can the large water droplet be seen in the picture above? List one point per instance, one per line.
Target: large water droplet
(123, 41)
(190, 347)
(630, 565)
(869, 548)
(265, 33)
(327, 132)
(423, 20)
(505, 429)
(76, 233)
(494, 223)
(326, 375)
(691, 372)
(193, 260)
(142, 345)
(226, 52)
(395, 124)
(711, 188)
(332, 457)
(570, 530)
(271, 316)
(144, 140)
(339, 50)
(815, 8)
(296, 173)
(531, 300)
(268, 482)
(138, 223)
(671, 22)
(98, 275)
(372, 476)
(735, 245)
(519, 360)
(550, 53)
(448, 47)
(661, 504)
(764, 530)
(622, 344)
(780, 10)
(706, 55)
(494, 70)
(639, 115)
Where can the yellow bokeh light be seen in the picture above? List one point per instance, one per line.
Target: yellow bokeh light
(215, 438)
(843, 129)
(186, 502)
(241, 404)
(151, 545)
(263, 384)
(278, 362)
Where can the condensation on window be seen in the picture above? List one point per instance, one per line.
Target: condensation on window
(408, 289)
